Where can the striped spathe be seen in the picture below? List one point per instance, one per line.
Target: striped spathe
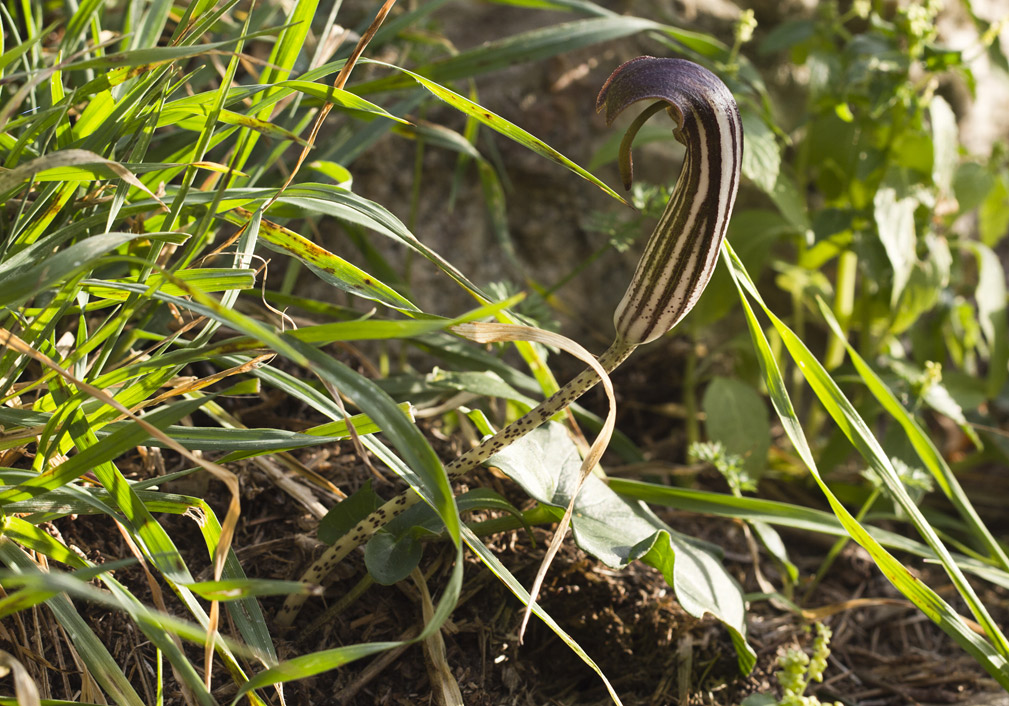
(680, 256)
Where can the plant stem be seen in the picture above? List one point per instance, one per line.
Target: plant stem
(693, 428)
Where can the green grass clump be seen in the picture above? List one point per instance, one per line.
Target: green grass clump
(168, 172)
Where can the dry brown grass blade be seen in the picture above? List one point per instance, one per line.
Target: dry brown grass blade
(826, 611)
(203, 383)
(24, 688)
(488, 333)
(11, 341)
(443, 683)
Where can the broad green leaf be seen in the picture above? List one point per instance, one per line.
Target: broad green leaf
(761, 154)
(617, 531)
(390, 558)
(894, 214)
(992, 313)
(993, 217)
(737, 417)
(945, 145)
(348, 512)
(790, 202)
(396, 550)
(938, 398)
(787, 35)
(972, 182)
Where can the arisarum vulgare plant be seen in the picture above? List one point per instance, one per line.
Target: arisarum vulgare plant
(675, 268)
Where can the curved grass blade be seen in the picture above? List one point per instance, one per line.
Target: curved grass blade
(328, 267)
(927, 600)
(783, 514)
(922, 444)
(70, 165)
(504, 127)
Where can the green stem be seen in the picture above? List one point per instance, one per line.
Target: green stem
(844, 307)
(693, 427)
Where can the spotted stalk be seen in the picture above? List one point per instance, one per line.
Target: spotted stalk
(677, 263)
(462, 465)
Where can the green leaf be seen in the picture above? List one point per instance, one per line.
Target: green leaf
(217, 279)
(19, 281)
(485, 384)
(787, 35)
(894, 214)
(396, 550)
(761, 154)
(759, 700)
(391, 558)
(972, 182)
(993, 218)
(938, 398)
(945, 145)
(343, 516)
(617, 530)
(237, 589)
(992, 314)
(790, 202)
(737, 417)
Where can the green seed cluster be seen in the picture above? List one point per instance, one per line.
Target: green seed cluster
(799, 669)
